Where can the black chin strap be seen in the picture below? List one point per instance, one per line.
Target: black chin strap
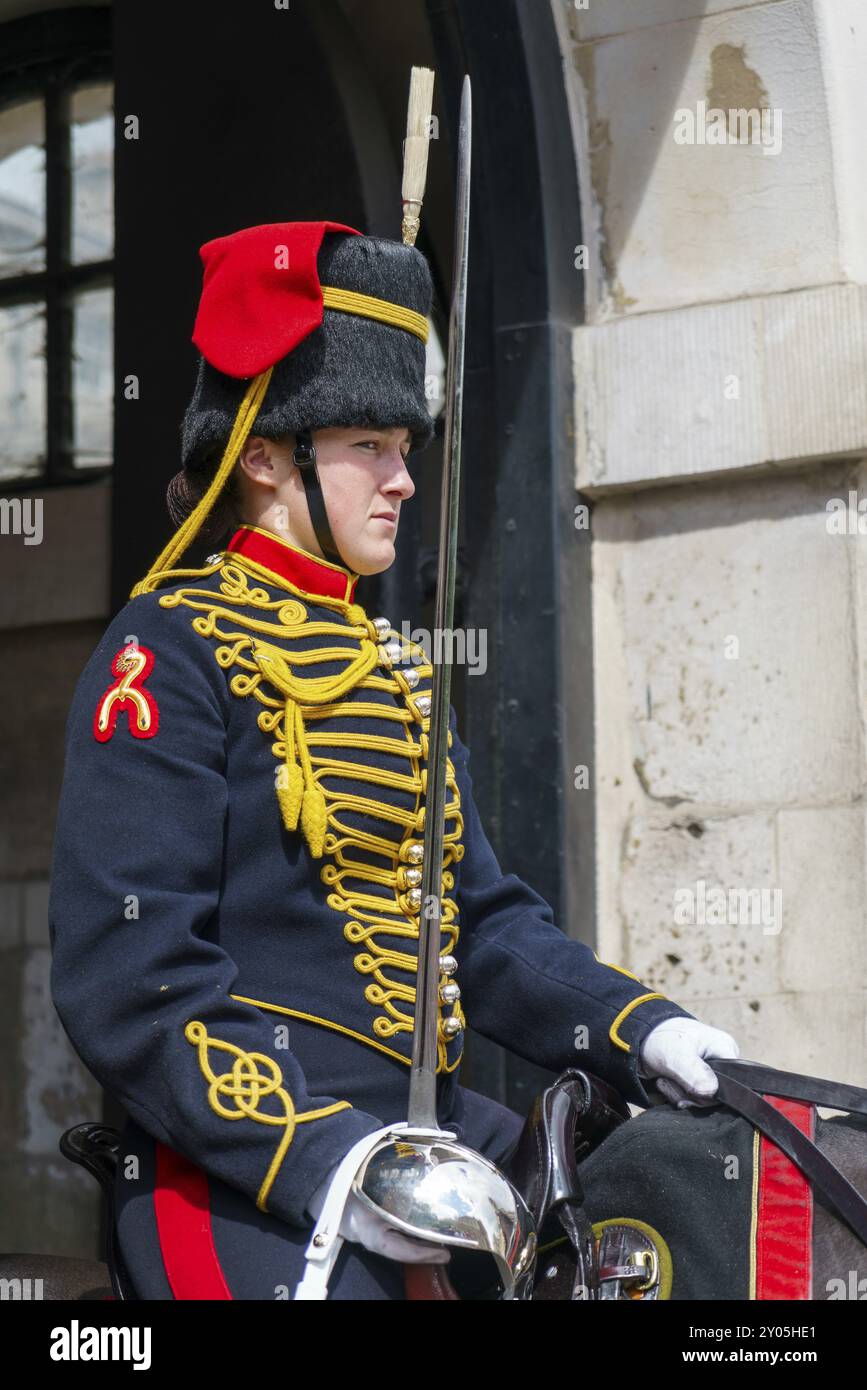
(304, 458)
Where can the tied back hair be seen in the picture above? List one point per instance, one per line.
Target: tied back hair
(186, 490)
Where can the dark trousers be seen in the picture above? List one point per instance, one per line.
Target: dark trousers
(262, 1257)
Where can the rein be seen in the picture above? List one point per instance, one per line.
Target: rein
(742, 1085)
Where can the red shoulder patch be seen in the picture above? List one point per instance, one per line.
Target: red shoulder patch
(132, 665)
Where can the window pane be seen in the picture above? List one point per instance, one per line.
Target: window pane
(92, 385)
(22, 188)
(92, 173)
(22, 390)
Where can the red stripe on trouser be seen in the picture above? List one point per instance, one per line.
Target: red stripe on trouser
(183, 1215)
(784, 1235)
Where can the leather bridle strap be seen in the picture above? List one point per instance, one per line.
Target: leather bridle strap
(836, 1095)
(304, 458)
(837, 1190)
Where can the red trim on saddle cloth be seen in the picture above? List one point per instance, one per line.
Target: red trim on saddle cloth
(183, 1215)
(784, 1228)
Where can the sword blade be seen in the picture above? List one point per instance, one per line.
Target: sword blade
(422, 1086)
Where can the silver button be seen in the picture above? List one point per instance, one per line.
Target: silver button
(415, 853)
(411, 677)
(448, 965)
(390, 653)
(450, 993)
(383, 628)
(422, 704)
(413, 897)
(452, 1026)
(413, 877)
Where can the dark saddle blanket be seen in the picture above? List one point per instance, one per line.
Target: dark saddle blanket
(732, 1216)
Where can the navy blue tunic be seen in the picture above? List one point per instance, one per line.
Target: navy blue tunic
(234, 912)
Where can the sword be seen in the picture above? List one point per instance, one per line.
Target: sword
(413, 1173)
(422, 1086)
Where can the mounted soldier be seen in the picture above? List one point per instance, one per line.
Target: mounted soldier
(236, 889)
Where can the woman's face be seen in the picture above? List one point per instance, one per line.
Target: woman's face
(364, 481)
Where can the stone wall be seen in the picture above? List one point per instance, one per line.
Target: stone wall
(53, 609)
(721, 386)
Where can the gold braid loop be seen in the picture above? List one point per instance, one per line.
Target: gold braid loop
(253, 1077)
(300, 791)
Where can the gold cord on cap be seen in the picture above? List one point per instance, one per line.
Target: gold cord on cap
(369, 307)
(189, 529)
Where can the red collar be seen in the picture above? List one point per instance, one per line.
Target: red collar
(289, 563)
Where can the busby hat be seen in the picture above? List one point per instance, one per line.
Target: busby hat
(293, 295)
(301, 326)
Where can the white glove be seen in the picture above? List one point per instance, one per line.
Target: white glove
(673, 1052)
(363, 1226)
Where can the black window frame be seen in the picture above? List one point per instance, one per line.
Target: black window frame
(49, 55)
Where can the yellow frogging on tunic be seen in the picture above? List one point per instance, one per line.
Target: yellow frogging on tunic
(297, 788)
(290, 703)
(253, 1077)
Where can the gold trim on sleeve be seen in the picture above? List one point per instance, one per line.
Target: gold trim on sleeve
(633, 1004)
